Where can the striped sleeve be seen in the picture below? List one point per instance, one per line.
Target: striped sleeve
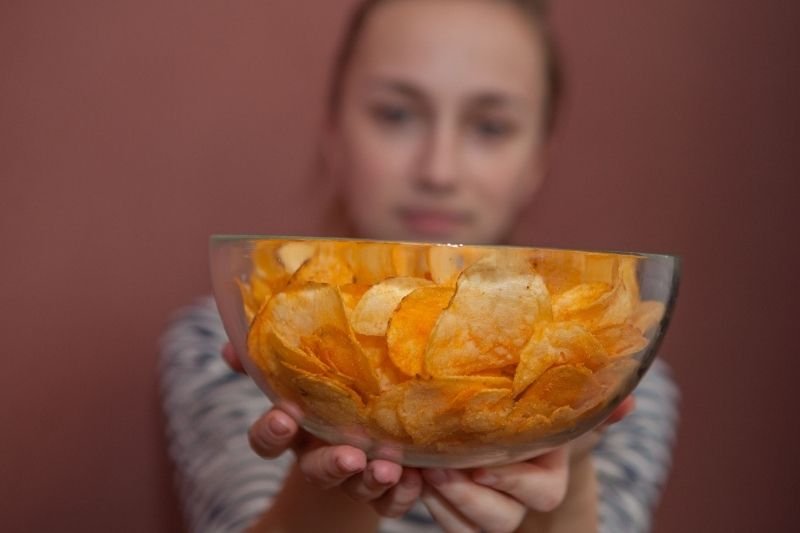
(222, 484)
(633, 458)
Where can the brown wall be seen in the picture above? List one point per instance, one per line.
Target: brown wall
(130, 131)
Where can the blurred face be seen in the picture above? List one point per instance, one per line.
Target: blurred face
(439, 135)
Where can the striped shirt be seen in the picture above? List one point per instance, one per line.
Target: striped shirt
(224, 486)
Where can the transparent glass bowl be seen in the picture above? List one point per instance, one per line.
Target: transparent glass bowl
(437, 355)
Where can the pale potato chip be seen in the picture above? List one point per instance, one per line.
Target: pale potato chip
(561, 270)
(410, 261)
(293, 254)
(647, 315)
(383, 410)
(411, 324)
(489, 319)
(371, 315)
(446, 262)
(372, 262)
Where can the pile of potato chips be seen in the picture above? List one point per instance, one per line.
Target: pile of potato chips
(437, 345)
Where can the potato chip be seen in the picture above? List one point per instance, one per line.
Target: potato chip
(647, 315)
(293, 254)
(487, 411)
(411, 324)
(371, 315)
(621, 340)
(557, 343)
(598, 304)
(311, 318)
(377, 352)
(563, 385)
(410, 261)
(431, 410)
(615, 374)
(330, 401)
(561, 270)
(447, 262)
(372, 262)
(351, 294)
(489, 319)
(383, 410)
(328, 265)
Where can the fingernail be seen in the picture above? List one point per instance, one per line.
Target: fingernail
(347, 464)
(485, 478)
(380, 476)
(278, 427)
(436, 476)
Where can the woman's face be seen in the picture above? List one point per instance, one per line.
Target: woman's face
(439, 134)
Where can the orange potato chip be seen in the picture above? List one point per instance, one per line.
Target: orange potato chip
(311, 318)
(377, 352)
(564, 385)
(621, 340)
(411, 324)
(557, 343)
(431, 410)
(371, 315)
(489, 319)
(487, 411)
(328, 265)
(330, 401)
(598, 304)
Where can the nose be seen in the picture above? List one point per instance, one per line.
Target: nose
(439, 162)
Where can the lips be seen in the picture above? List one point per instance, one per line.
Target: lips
(433, 222)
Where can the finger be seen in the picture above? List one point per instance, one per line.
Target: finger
(540, 484)
(377, 478)
(273, 433)
(329, 466)
(230, 357)
(398, 500)
(450, 520)
(486, 508)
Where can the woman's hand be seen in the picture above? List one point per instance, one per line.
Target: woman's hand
(389, 488)
(498, 499)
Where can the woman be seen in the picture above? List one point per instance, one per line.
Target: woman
(437, 129)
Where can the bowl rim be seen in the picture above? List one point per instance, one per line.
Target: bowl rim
(221, 239)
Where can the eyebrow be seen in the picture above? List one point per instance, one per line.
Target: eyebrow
(488, 98)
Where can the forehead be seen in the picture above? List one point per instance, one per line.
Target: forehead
(458, 46)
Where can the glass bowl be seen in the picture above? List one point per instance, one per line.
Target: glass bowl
(437, 355)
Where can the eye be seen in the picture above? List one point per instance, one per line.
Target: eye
(494, 128)
(392, 115)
